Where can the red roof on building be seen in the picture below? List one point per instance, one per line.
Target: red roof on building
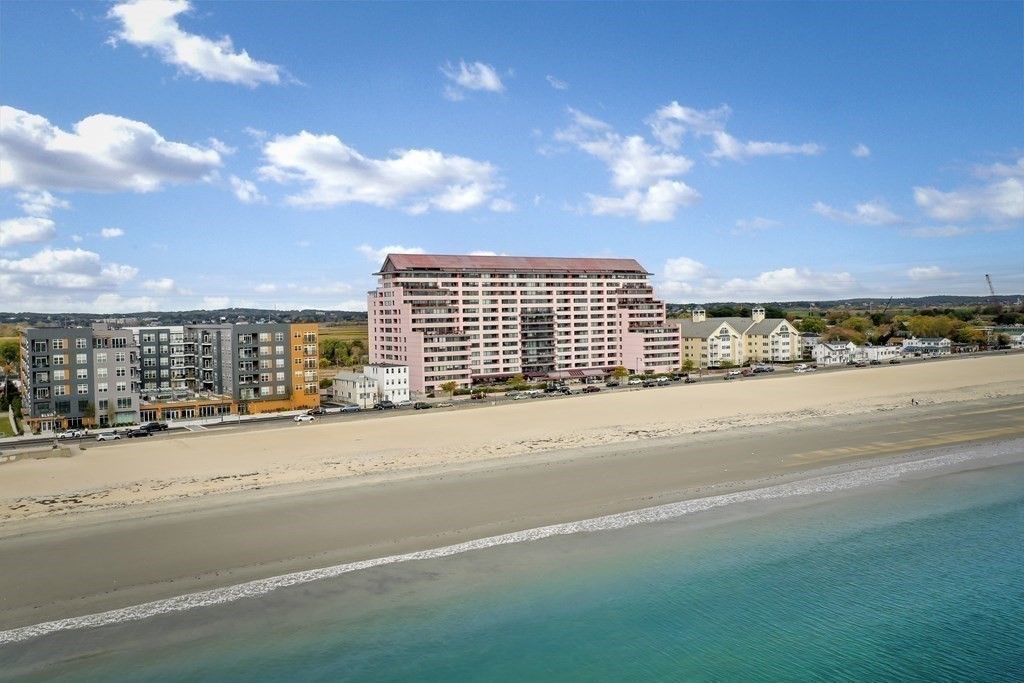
(546, 264)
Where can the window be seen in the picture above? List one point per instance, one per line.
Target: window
(279, 336)
(264, 336)
(101, 388)
(124, 403)
(60, 390)
(280, 389)
(149, 350)
(121, 372)
(83, 389)
(279, 362)
(59, 375)
(81, 359)
(122, 386)
(59, 344)
(58, 359)
(101, 405)
(80, 343)
(280, 377)
(279, 350)
(265, 391)
(119, 356)
(101, 357)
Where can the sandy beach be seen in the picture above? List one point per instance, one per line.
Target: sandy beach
(123, 523)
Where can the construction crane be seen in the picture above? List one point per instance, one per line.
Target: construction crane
(992, 290)
(887, 305)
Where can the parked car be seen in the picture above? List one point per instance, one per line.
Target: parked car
(733, 373)
(689, 380)
(635, 381)
(728, 376)
(478, 396)
(875, 362)
(421, 405)
(319, 410)
(611, 383)
(155, 426)
(384, 405)
(138, 433)
(108, 436)
(894, 361)
(565, 391)
(591, 389)
(861, 364)
(403, 404)
(649, 383)
(71, 434)
(445, 404)
(304, 418)
(350, 409)
(662, 380)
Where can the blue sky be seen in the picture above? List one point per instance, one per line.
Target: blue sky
(170, 154)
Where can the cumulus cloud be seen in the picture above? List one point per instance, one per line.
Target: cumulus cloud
(26, 230)
(41, 203)
(153, 25)
(644, 172)
(111, 233)
(1001, 170)
(414, 180)
(926, 273)
(867, 213)
(658, 202)
(61, 269)
(164, 286)
(378, 255)
(684, 277)
(861, 151)
(789, 283)
(104, 153)
(999, 201)
(214, 302)
(557, 83)
(472, 76)
(671, 123)
(246, 191)
(265, 288)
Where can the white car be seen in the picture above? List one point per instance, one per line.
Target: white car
(635, 381)
(71, 434)
(108, 436)
(304, 418)
(402, 404)
(733, 373)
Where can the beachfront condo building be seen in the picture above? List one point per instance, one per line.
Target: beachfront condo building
(470, 318)
(733, 341)
(109, 375)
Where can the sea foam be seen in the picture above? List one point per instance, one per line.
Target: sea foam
(811, 486)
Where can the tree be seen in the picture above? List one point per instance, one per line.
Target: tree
(840, 333)
(619, 372)
(90, 413)
(9, 353)
(726, 364)
(813, 325)
(930, 326)
(518, 383)
(857, 323)
(689, 366)
(450, 387)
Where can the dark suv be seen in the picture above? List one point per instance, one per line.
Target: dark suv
(155, 426)
(384, 405)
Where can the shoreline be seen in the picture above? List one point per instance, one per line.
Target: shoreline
(803, 489)
(64, 565)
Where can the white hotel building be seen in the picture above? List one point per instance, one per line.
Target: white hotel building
(463, 318)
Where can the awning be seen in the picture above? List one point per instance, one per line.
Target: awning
(575, 374)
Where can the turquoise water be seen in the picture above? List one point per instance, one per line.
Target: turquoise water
(915, 578)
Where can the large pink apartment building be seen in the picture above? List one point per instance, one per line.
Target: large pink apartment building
(466, 318)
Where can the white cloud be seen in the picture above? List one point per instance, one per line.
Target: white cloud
(728, 147)
(502, 206)
(165, 286)
(153, 24)
(684, 268)
(378, 255)
(482, 252)
(789, 283)
(220, 147)
(926, 273)
(74, 269)
(26, 230)
(754, 225)
(658, 202)
(636, 167)
(861, 151)
(1001, 170)
(954, 230)
(473, 76)
(999, 201)
(41, 203)
(415, 180)
(670, 123)
(111, 233)
(104, 154)
(265, 288)
(867, 213)
(557, 83)
(214, 302)
(76, 238)
(246, 191)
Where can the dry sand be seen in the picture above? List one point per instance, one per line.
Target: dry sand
(129, 522)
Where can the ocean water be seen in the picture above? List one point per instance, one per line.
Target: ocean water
(905, 572)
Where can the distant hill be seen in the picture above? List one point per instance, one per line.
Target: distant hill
(940, 301)
(153, 318)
